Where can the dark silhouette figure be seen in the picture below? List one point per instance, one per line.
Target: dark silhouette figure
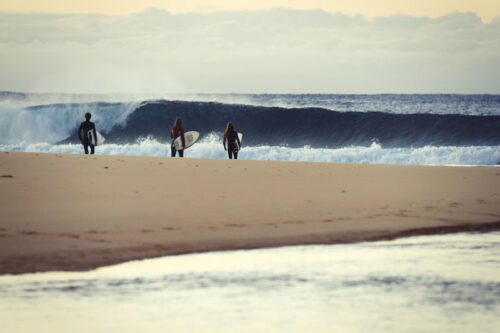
(175, 132)
(233, 141)
(86, 132)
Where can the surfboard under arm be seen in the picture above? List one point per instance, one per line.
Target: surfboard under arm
(92, 139)
(190, 138)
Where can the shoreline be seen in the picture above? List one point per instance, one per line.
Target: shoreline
(74, 212)
(154, 252)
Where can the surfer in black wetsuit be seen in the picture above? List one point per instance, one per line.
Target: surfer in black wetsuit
(233, 141)
(175, 132)
(85, 133)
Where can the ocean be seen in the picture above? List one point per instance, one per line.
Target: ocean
(440, 283)
(386, 128)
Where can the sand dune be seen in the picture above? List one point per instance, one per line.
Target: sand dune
(75, 212)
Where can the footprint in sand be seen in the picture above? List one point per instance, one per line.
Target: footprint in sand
(168, 228)
(454, 204)
(95, 232)
(337, 219)
(7, 176)
(293, 222)
(65, 235)
(28, 232)
(235, 225)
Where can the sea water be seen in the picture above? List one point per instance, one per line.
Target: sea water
(441, 283)
(388, 129)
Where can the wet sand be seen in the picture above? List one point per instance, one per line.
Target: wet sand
(76, 212)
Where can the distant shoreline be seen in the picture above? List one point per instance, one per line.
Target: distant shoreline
(63, 212)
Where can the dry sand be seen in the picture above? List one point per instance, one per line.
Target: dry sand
(75, 212)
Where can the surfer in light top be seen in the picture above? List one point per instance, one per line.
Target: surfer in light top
(175, 132)
(87, 134)
(233, 141)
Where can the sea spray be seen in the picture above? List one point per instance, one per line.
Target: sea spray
(211, 147)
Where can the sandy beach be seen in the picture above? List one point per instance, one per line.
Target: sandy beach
(77, 212)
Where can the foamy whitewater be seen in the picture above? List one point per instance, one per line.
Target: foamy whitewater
(387, 129)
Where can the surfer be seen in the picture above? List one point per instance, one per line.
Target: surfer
(175, 132)
(233, 141)
(86, 132)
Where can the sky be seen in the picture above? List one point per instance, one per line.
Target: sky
(486, 9)
(155, 46)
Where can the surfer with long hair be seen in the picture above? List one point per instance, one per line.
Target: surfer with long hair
(233, 141)
(87, 134)
(175, 132)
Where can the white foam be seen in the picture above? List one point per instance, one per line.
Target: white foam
(52, 124)
(211, 147)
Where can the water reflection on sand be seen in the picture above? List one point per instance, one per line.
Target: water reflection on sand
(428, 283)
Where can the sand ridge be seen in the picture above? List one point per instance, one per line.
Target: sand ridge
(74, 212)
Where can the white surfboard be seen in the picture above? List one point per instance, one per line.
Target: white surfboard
(100, 138)
(190, 137)
(240, 136)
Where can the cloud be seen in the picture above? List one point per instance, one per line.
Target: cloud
(279, 50)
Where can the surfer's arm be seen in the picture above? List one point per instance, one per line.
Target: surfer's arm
(79, 132)
(224, 142)
(183, 139)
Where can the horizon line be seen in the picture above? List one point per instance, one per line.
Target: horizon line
(207, 12)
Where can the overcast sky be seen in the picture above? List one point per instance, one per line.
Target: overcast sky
(485, 9)
(249, 51)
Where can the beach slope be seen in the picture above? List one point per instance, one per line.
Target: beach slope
(77, 212)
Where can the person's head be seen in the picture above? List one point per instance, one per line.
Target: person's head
(88, 116)
(229, 127)
(178, 122)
